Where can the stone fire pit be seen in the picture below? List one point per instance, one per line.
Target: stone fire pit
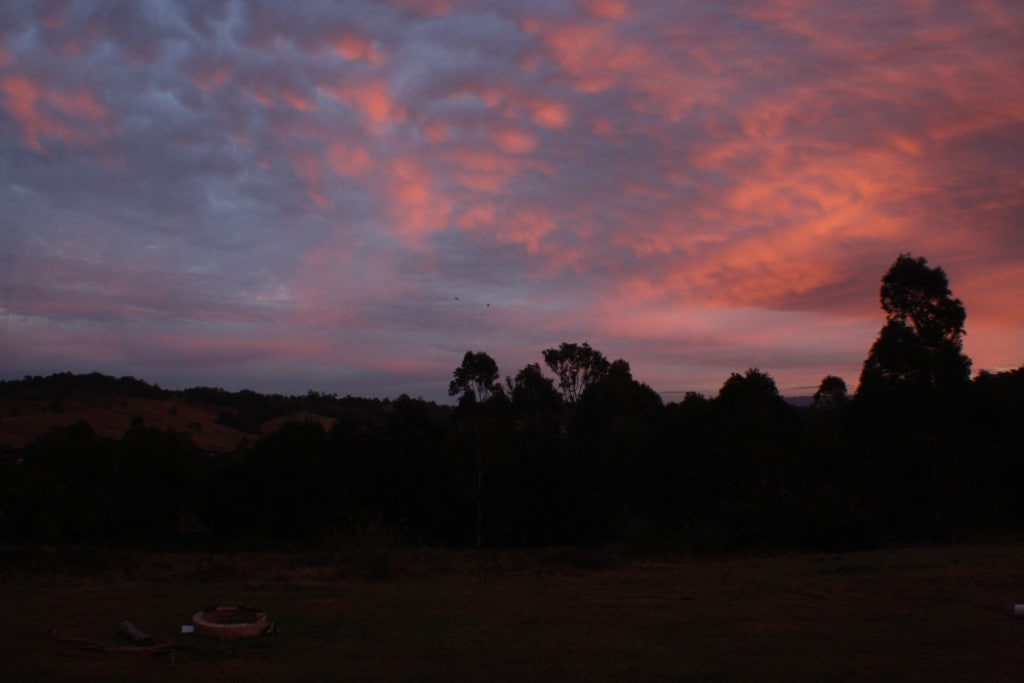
(232, 622)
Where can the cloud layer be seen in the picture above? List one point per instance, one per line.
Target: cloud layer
(348, 195)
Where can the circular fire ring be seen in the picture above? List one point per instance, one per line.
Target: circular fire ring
(232, 622)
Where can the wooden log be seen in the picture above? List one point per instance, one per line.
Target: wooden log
(86, 644)
(160, 649)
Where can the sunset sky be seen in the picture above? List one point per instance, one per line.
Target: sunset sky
(347, 196)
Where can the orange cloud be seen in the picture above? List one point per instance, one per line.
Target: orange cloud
(484, 171)
(528, 227)
(436, 131)
(372, 99)
(300, 102)
(634, 165)
(22, 95)
(993, 315)
(607, 9)
(483, 214)
(550, 113)
(270, 96)
(357, 48)
(599, 56)
(590, 54)
(513, 141)
(81, 104)
(416, 208)
(46, 112)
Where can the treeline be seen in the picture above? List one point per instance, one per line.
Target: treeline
(63, 385)
(580, 454)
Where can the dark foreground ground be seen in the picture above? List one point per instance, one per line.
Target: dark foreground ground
(918, 614)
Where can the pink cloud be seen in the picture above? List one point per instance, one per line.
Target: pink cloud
(993, 314)
(513, 141)
(55, 15)
(41, 111)
(607, 9)
(550, 114)
(593, 55)
(357, 48)
(483, 170)
(529, 227)
(437, 131)
(300, 101)
(695, 184)
(21, 95)
(348, 159)
(267, 95)
(371, 98)
(211, 77)
(482, 214)
(416, 209)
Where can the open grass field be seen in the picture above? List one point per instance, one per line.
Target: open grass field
(917, 614)
(22, 420)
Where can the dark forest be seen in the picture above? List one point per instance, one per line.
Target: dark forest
(571, 450)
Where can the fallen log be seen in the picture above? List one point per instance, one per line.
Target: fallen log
(134, 634)
(86, 644)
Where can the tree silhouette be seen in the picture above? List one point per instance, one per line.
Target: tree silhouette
(532, 480)
(756, 440)
(536, 403)
(576, 366)
(613, 454)
(476, 380)
(615, 403)
(752, 390)
(920, 347)
(912, 394)
(831, 393)
(479, 422)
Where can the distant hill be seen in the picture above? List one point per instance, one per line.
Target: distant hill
(217, 420)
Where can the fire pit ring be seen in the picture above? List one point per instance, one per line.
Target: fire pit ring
(232, 622)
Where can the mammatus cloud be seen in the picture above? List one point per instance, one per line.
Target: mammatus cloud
(347, 196)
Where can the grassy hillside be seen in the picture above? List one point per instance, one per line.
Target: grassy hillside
(22, 420)
(216, 420)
